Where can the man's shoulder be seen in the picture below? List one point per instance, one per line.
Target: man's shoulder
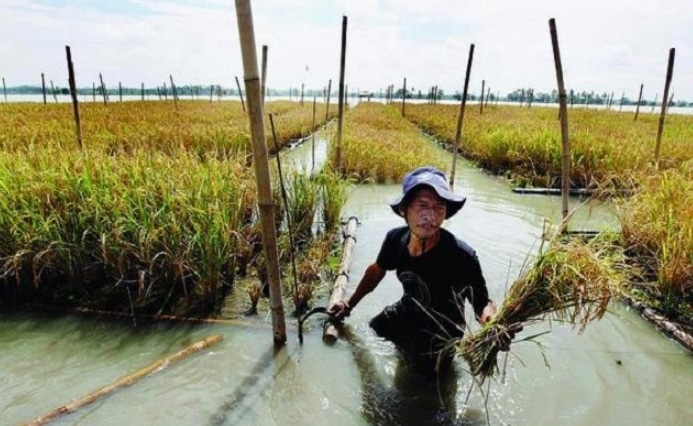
(458, 244)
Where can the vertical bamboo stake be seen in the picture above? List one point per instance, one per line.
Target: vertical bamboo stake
(481, 98)
(637, 107)
(120, 92)
(55, 96)
(103, 90)
(302, 87)
(142, 91)
(93, 91)
(174, 90)
(404, 95)
(262, 175)
(73, 93)
(263, 82)
(43, 86)
(488, 94)
(565, 173)
(211, 93)
(460, 116)
(312, 167)
(240, 92)
(620, 104)
(340, 104)
(670, 71)
(4, 89)
(327, 104)
(522, 98)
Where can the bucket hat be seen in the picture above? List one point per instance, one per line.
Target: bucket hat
(434, 178)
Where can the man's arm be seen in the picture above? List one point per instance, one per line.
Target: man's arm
(370, 280)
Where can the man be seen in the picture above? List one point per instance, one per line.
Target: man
(437, 270)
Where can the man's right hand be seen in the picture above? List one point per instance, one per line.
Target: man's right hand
(340, 310)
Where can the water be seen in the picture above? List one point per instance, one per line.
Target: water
(619, 372)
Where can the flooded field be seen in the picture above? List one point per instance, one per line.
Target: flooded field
(619, 372)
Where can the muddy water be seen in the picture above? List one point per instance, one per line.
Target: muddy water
(619, 372)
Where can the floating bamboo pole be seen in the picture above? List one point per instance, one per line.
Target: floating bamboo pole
(73, 93)
(565, 172)
(331, 331)
(262, 175)
(127, 380)
(43, 88)
(460, 116)
(637, 107)
(340, 104)
(662, 115)
(240, 93)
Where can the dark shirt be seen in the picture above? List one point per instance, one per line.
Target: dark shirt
(450, 270)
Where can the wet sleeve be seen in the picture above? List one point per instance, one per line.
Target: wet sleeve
(478, 297)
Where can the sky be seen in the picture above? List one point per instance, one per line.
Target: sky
(606, 46)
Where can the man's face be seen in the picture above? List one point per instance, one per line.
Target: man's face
(425, 212)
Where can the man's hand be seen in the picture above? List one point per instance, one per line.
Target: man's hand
(340, 310)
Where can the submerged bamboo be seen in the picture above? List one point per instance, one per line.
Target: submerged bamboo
(565, 171)
(127, 380)
(262, 175)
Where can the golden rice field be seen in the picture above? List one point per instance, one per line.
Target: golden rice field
(155, 215)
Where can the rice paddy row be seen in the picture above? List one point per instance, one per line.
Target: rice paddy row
(155, 215)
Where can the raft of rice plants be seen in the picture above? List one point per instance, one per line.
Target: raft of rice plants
(156, 215)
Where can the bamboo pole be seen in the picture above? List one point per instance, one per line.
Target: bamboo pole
(662, 115)
(43, 88)
(240, 92)
(637, 107)
(120, 92)
(142, 90)
(404, 95)
(127, 380)
(654, 103)
(263, 82)
(103, 90)
(327, 104)
(330, 332)
(302, 87)
(312, 149)
(55, 96)
(174, 91)
(93, 91)
(73, 93)
(262, 174)
(460, 116)
(4, 89)
(488, 95)
(340, 104)
(620, 104)
(481, 98)
(211, 93)
(565, 171)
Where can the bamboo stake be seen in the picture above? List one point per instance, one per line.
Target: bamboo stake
(93, 91)
(240, 93)
(565, 172)
(262, 174)
(127, 380)
(404, 95)
(120, 92)
(263, 82)
(654, 103)
(460, 116)
(312, 150)
(302, 87)
(211, 93)
(340, 104)
(488, 94)
(662, 115)
(327, 104)
(55, 96)
(4, 89)
(330, 333)
(73, 93)
(481, 98)
(620, 104)
(174, 91)
(142, 91)
(103, 90)
(43, 86)
(637, 107)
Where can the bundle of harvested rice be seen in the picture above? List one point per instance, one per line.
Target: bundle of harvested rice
(572, 281)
